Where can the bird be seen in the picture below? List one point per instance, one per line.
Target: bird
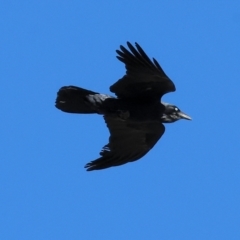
(135, 116)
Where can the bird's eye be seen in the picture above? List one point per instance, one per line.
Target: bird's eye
(176, 109)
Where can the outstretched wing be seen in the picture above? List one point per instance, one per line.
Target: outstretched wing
(128, 142)
(143, 78)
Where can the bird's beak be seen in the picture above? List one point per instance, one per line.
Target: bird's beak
(184, 116)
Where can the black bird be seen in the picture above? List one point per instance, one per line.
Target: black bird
(135, 118)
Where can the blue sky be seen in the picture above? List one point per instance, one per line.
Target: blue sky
(187, 187)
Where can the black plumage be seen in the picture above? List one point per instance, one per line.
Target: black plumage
(135, 118)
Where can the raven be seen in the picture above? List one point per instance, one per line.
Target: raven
(135, 117)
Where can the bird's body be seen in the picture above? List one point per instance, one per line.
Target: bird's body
(135, 116)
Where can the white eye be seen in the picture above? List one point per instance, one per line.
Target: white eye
(176, 109)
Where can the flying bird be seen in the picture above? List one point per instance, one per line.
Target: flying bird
(135, 116)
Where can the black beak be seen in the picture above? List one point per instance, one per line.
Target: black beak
(184, 116)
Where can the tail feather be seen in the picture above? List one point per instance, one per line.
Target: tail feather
(72, 99)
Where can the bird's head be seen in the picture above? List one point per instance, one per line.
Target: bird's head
(172, 114)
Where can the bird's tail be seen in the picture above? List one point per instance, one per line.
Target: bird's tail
(73, 99)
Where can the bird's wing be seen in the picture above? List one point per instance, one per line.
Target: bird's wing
(144, 78)
(128, 142)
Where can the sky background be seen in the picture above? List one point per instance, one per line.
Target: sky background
(187, 187)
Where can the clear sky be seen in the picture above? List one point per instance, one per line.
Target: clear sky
(187, 187)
